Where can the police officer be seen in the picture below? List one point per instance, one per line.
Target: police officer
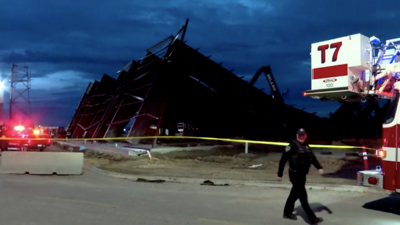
(300, 158)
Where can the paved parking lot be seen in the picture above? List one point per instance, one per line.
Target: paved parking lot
(95, 199)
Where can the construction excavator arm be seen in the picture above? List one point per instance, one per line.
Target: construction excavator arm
(275, 93)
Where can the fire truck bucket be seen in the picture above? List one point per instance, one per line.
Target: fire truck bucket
(41, 163)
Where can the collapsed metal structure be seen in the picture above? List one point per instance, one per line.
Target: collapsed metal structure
(173, 84)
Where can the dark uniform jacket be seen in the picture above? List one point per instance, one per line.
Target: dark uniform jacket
(300, 158)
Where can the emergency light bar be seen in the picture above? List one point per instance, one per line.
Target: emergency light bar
(19, 128)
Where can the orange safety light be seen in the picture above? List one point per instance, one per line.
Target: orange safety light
(36, 131)
(381, 153)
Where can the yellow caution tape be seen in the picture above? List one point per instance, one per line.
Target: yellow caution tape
(213, 139)
(192, 137)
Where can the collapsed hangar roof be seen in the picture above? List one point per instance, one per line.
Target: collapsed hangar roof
(161, 71)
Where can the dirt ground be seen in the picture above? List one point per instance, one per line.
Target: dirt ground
(226, 164)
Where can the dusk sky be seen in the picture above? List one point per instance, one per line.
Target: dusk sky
(67, 44)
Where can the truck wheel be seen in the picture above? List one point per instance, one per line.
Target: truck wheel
(42, 149)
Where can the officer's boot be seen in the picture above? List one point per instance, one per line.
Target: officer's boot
(316, 221)
(290, 216)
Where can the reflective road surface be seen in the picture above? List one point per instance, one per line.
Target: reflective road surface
(92, 199)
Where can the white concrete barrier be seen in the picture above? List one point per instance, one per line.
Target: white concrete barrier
(63, 163)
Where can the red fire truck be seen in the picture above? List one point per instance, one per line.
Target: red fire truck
(27, 139)
(361, 68)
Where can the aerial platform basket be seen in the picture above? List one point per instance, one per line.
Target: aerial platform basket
(337, 94)
(348, 69)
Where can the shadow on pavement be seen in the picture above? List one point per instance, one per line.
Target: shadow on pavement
(390, 204)
(351, 166)
(316, 207)
(150, 181)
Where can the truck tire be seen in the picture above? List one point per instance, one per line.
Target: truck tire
(41, 149)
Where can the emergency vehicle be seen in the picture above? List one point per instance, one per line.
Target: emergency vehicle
(359, 68)
(27, 139)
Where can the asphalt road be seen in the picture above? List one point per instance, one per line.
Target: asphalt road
(95, 199)
(98, 200)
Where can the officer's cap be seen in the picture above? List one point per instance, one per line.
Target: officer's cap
(301, 131)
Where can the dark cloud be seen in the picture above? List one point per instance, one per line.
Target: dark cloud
(41, 56)
(69, 43)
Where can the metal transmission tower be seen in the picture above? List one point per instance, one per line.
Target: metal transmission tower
(20, 81)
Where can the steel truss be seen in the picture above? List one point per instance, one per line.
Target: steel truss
(20, 85)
